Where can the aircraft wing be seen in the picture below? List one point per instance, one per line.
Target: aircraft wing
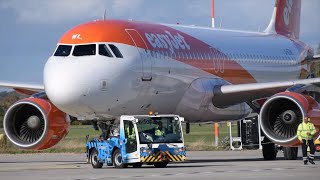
(227, 95)
(25, 88)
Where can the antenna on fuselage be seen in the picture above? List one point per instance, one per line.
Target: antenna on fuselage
(220, 25)
(104, 14)
(212, 14)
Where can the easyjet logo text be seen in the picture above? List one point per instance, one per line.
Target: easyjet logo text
(167, 41)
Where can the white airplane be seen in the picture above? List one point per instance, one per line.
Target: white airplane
(106, 68)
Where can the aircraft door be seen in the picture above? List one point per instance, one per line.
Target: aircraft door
(130, 149)
(142, 49)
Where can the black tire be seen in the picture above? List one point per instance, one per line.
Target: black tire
(117, 159)
(94, 159)
(161, 164)
(290, 153)
(137, 165)
(269, 151)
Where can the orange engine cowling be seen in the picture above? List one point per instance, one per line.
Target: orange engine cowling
(35, 124)
(282, 113)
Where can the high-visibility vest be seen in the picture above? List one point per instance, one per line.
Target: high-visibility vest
(158, 132)
(132, 135)
(303, 130)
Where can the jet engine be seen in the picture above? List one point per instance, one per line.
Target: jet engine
(281, 115)
(35, 124)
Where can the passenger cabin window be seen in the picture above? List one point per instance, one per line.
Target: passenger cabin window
(84, 50)
(104, 51)
(115, 51)
(63, 50)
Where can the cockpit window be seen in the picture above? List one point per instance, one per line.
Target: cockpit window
(63, 50)
(104, 51)
(115, 51)
(84, 50)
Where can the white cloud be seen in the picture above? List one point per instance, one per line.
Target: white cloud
(126, 7)
(53, 11)
(310, 16)
(62, 11)
(244, 14)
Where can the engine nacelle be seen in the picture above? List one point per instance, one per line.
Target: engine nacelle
(35, 124)
(281, 115)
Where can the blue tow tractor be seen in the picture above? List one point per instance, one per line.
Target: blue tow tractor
(136, 140)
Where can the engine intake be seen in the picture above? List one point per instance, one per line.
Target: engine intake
(35, 124)
(281, 115)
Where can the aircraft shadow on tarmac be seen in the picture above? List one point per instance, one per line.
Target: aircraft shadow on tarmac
(199, 163)
(185, 164)
(235, 160)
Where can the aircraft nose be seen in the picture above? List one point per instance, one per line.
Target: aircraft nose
(65, 87)
(82, 86)
(62, 92)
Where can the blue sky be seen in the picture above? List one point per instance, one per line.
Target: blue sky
(30, 29)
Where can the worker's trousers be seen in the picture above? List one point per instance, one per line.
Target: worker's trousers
(305, 144)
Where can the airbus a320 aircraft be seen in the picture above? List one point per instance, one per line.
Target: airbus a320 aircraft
(106, 68)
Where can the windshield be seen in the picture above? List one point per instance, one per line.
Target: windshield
(159, 130)
(84, 50)
(63, 50)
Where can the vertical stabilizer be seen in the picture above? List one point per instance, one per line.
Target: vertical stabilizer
(286, 18)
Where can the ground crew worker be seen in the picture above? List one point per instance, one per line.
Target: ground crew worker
(159, 131)
(305, 132)
(132, 134)
(131, 145)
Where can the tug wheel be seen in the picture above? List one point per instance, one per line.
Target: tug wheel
(117, 159)
(95, 160)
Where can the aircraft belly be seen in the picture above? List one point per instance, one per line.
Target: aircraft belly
(132, 95)
(160, 95)
(196, 104)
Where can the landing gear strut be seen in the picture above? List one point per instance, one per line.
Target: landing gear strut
(106, 127)
(290, 153)
(269, 149)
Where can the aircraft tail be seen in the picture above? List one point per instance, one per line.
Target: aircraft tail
(286, 18)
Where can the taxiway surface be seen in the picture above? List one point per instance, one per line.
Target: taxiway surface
(246, 164)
